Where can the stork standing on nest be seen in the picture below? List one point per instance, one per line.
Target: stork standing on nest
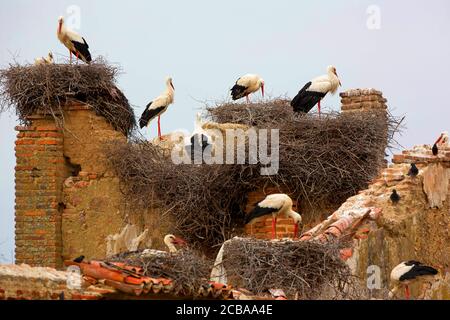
(407, 272)
(170, 241)
(44, 60)
(246, 85)
(315, 90)
(275, 204)
(75, 43)
(199, 140)
(158, 106)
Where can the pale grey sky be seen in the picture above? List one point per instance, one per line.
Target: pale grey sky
(206, 45)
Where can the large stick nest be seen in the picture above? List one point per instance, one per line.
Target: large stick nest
(322, 160)
(186, 268)
(45, 89)
(303, 270)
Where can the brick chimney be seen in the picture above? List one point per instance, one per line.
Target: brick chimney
(67, 200)
(362, 100)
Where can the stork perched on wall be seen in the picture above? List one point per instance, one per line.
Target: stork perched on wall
(44, 60)
(158, 106)
(246, 85)
(275, 204)
(75, 43)
(407, 272)
(442, 141)
(315, 90)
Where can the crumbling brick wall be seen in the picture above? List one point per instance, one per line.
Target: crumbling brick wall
(67, 198)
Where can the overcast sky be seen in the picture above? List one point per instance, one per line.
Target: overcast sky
(399, 47)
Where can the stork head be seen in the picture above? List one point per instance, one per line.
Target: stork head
(60, 23)
(169, 82)
(443, 138)
(332, 70)
(261, 84)
(170, 239)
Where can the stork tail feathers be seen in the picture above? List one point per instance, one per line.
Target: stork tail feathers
(259, 212)
(238, 92)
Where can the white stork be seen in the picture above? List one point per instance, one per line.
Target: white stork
(158, 106)
(442, 141)
(316, 90)
(275, 204)
(246, 85)
(76, 44)
(170, 241)
(409, 271)
(199, 139)
(44, 60)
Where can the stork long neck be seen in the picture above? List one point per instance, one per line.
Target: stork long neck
(334, 81)
(60, 28)
(169, 90)
(171, 246)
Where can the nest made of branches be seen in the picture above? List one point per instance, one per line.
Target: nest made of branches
(302, 269)
(45, 89)
(188, 270)
(203, 202)
(322, 160)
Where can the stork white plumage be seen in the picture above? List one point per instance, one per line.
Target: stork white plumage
(198, 141)
(44, 60)
(246, 85)
(275, 204)
(315, 90)
(75, 43)
(408, 271)
(158, 106)
(170, 241)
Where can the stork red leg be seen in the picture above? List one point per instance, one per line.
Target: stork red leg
(77, 57)
(318, 106)
(159, 128)
(407, 292)
(274, 227)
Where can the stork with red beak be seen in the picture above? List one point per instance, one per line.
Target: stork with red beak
(75, 43)
(407, 272)
(158, 106)
(246, 85)
(442, 141)
(315, 90)
(275, 204)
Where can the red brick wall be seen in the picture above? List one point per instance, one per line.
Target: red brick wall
(38, 177)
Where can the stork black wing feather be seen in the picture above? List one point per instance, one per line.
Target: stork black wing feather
(238, 91)
(82, 50)
(148, 115)
(417, 271)
(305, 100)
(259, 212)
